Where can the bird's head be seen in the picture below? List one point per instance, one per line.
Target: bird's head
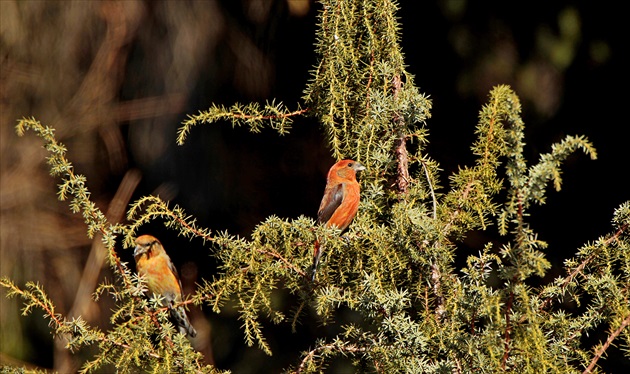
(347, 168)
(145, 244)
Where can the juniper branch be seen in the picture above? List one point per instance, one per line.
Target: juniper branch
(75, 185)
(332, 347)
(278, 116)
(600, 351)
(150, 207)
(583, 264)
(36, 297)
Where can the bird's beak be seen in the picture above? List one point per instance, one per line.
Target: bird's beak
(358, 167)
(139, 250)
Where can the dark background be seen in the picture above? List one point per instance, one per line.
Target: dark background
(117, 80)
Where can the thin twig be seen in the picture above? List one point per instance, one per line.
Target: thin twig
(343, 348)
(569, 278)
(279, 257)
(600, 352)
(426, 173)
(508, 330)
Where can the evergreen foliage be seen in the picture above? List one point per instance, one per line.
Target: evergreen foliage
(395, 266)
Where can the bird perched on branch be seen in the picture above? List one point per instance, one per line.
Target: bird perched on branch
(340, 202)
(162, 279)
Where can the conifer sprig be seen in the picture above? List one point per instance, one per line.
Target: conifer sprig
(276, 116)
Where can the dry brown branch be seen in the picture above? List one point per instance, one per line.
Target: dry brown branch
(95, 261)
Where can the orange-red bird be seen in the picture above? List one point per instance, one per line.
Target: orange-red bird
(156, 267)
(340, 202)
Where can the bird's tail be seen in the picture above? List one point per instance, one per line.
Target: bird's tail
(178, 314)
(317, 254)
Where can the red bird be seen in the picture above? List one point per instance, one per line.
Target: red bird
(340, 202)
(156, 267)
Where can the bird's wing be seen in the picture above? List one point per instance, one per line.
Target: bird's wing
(173, 270)
(333, 196)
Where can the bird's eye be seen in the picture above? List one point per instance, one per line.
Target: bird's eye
(350, 164)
